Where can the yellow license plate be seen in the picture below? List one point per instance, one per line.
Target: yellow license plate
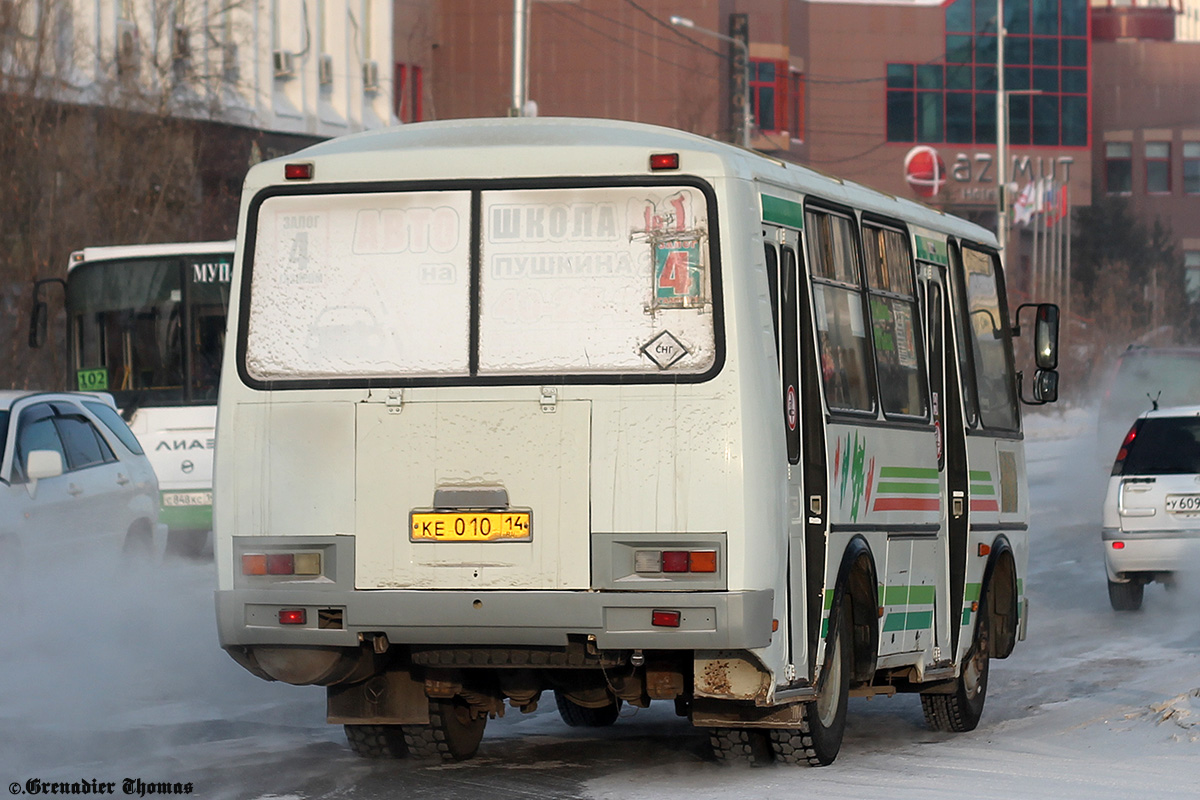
(469, 526)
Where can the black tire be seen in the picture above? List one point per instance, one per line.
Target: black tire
(579, 717)
(451, 735)
(740, 746)
(1126, 596)
(961, 710)
(819, 738)
(187, 544)
(376, 741)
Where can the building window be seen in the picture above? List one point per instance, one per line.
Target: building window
(1158, 167)
(796, 105)
(769, 94)
(1191, 273)
(1046, 50)
(1191, 167)
(1118, 167)
(408, 87)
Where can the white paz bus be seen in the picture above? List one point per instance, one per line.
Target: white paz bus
(146, 323)
(620, 413)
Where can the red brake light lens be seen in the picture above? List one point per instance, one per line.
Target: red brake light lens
(675, 561)
(1118, 545)
(664, 161)
(281, 564)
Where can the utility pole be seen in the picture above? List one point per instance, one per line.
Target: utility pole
(1001, 136)
(684, 22)
(520, 63)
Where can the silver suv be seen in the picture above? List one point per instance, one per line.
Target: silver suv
(1151, 524)
(73, 480)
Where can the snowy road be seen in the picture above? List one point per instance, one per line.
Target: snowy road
(118, 676)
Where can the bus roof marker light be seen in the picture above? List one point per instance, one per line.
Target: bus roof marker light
(660, 161)
(302, 171)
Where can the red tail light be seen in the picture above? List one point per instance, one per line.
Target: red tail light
(281, 564)
(675, 561)
(292, 616)
(664, 161)
(1126, 443)
(665, 619)
(1118, 545)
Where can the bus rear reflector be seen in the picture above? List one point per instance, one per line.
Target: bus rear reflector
(292, 616)
(665, 619)
(1118, 545)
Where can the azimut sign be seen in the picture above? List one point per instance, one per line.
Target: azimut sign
(970, 178)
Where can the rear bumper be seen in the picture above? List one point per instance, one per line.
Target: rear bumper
(617, 620)
(1149, 551)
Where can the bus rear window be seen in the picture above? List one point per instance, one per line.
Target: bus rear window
(596, 280)
(567, 281)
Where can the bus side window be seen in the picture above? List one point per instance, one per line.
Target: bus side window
(894, 321)
(962, 344)
(838, 311)
(773, 285)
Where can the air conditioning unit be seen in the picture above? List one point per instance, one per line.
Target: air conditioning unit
(325, 70)
(371, 76)
(128, 47)
(181, 44)
(285, 66)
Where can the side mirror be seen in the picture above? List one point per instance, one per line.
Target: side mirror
(37, 324)
(1045, 386)
(41, 464)
(1045, 338)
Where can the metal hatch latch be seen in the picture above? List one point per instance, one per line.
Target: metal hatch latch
(395, 401)
(549, 399)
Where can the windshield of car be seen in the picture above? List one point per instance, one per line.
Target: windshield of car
(1165, 446)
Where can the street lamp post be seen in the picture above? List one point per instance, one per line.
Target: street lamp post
(1001, 136)
(684, 22)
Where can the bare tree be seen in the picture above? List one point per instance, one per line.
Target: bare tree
(103, 148)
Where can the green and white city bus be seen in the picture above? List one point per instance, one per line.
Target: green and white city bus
(146, 323)
(620, 413)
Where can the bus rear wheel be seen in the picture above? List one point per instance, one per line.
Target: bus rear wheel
(960, 711)
(451, 735)
(376, 741)
(740, 745)
(819, 738)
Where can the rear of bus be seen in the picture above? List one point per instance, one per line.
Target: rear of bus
(480, 432)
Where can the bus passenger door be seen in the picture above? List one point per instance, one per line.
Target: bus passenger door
(946, 401)
(790, 309)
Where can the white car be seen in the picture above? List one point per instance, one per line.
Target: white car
(1151, 526)
(73, 480)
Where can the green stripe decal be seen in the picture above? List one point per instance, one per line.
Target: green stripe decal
(911, 621)
(920, 473)
(980, 475)
(971, 592)
(982, 488)
(782, 212)
(966, 620)
(920, 595)
(907, 595)
(828, 599)
(896, 487)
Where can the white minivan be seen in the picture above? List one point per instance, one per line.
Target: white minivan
(1152, 510)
